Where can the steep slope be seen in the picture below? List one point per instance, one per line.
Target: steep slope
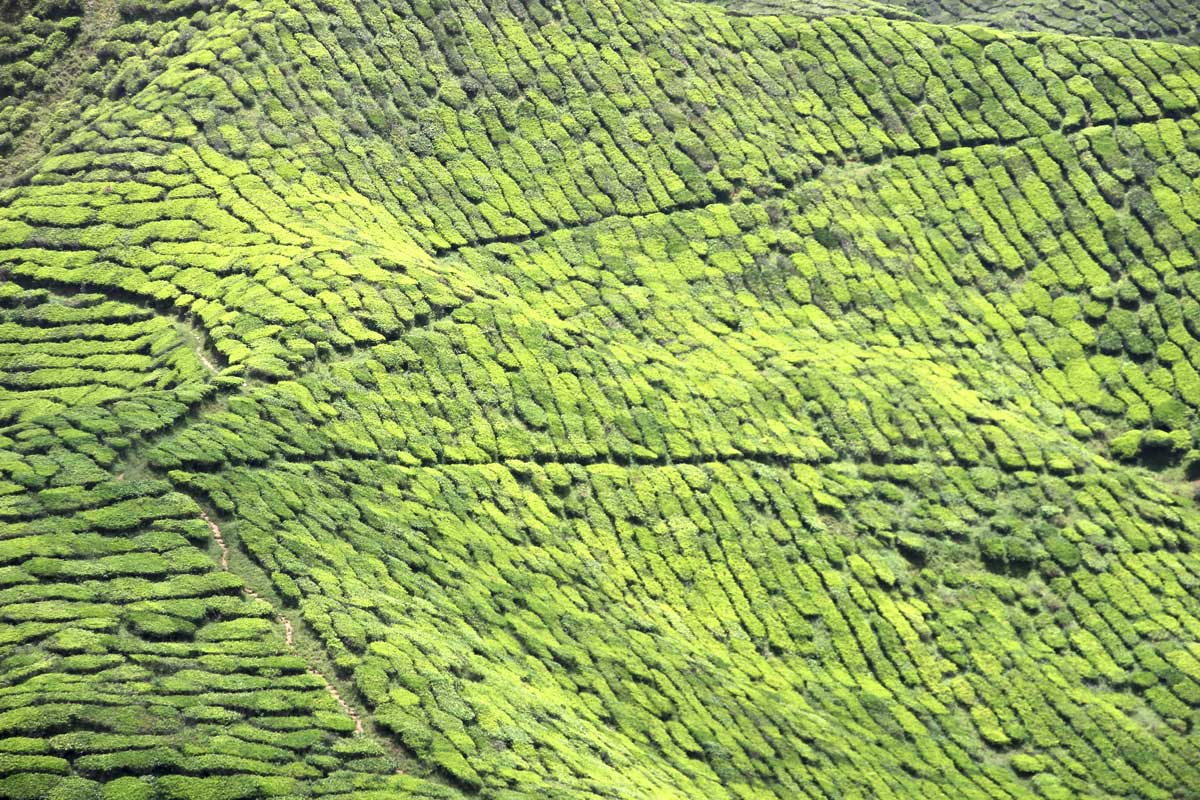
(607, 400)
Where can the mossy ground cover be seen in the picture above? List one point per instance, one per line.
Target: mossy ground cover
(617, 400)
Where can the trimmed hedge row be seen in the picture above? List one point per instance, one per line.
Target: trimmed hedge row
(58, 352)
(133, 667)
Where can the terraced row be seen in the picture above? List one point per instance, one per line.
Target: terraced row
(133, 668)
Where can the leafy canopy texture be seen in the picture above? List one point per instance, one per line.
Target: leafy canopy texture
(608, 399)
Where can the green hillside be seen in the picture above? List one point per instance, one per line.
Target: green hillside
(642, 399)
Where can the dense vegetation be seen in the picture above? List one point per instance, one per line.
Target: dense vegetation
(625, 399)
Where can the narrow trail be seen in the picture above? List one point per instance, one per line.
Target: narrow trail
(196, 338)
(216, 533)
(289, 632)
(209, 365)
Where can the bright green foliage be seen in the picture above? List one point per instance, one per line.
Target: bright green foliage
(630, 399)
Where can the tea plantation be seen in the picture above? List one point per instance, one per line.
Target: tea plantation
(614, 399)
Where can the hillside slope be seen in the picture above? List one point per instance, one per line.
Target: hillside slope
(622, 399)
